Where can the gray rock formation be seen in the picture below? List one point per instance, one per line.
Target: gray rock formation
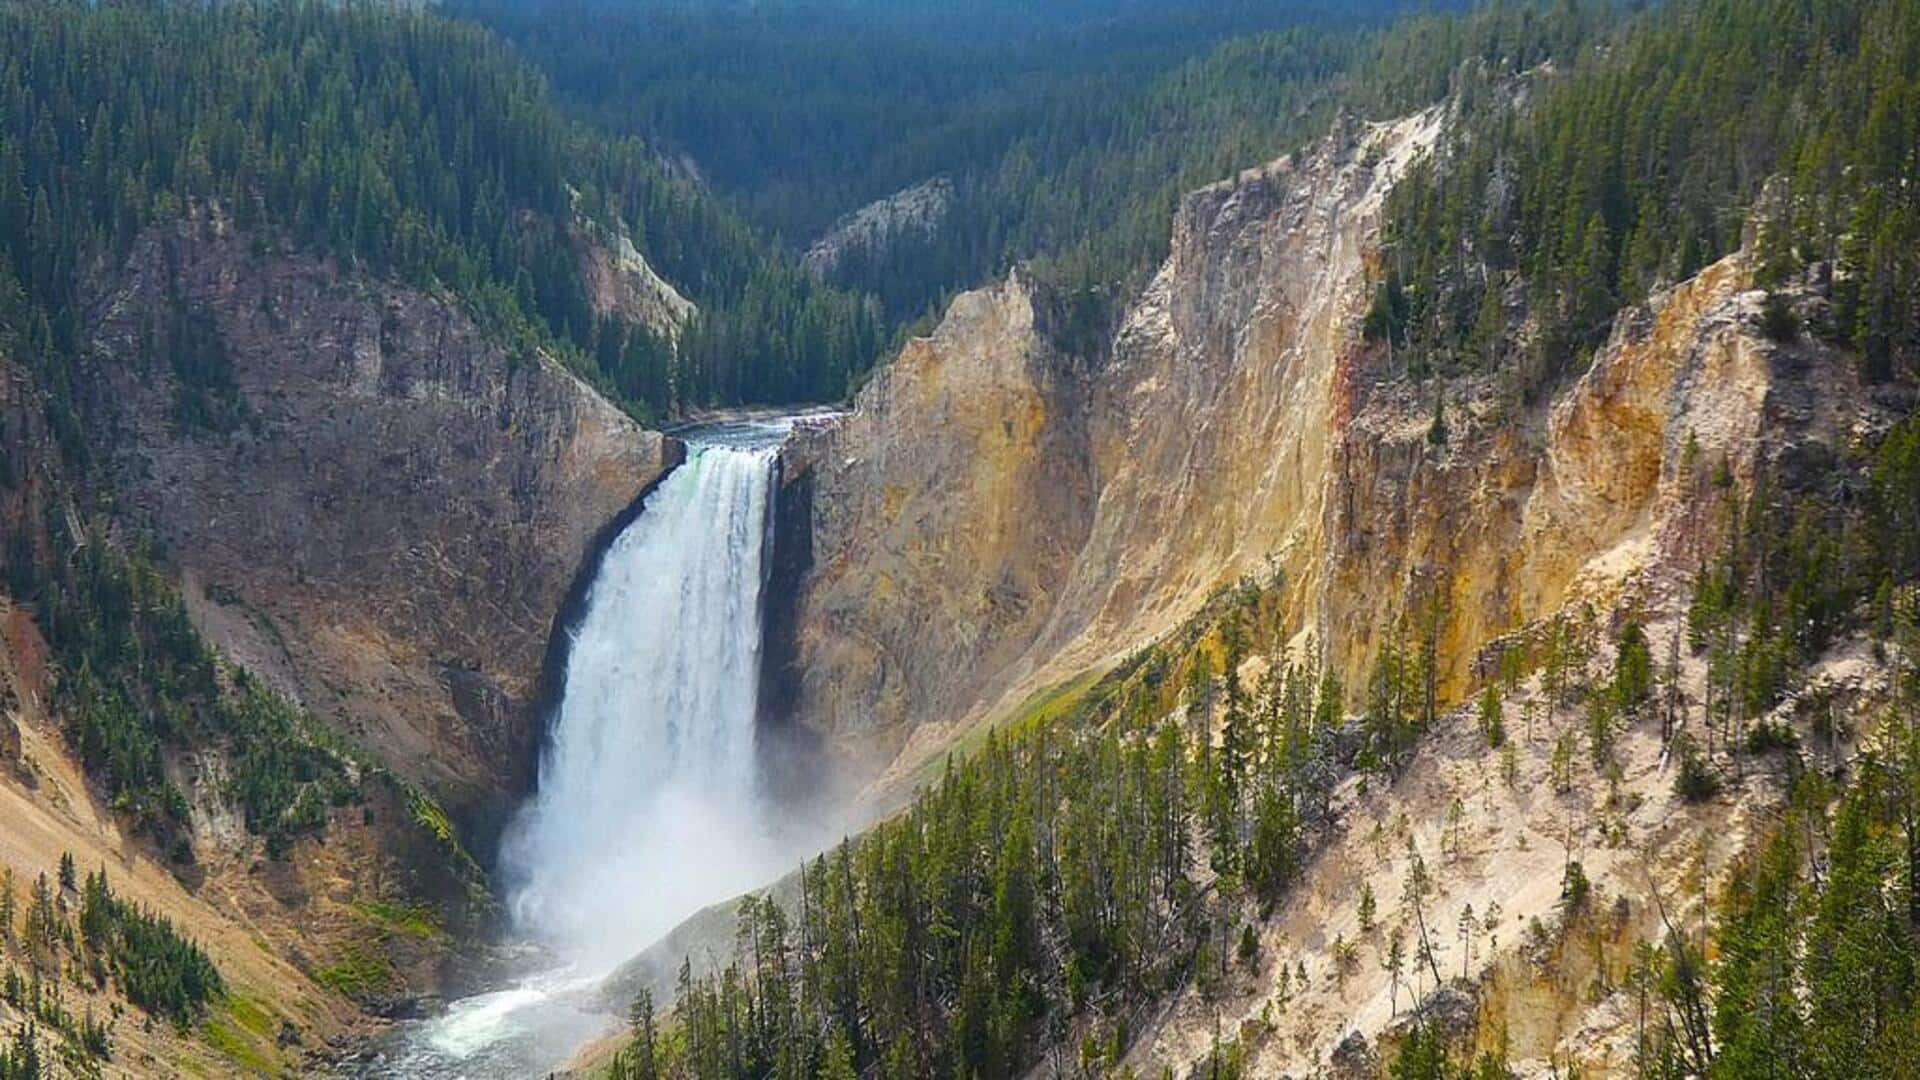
(917, 209)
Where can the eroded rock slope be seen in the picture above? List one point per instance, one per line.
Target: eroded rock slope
(1244, 426)
(394, 516)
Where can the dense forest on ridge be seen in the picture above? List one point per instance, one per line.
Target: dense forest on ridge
(1643, 163)
(1066, 142)
(412, 144)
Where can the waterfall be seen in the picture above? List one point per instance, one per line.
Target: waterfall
(648, 804)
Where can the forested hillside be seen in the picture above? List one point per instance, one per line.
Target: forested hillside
(798, 113)
(412, 144)
(410, 149)
(1512, 251)
(1067, 141)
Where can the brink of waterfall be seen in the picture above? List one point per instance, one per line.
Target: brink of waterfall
(648, 806)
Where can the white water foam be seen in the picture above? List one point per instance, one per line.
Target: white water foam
(648, 806)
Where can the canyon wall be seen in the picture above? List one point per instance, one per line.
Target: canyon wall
(1199, 451)
(1607, 498)
(375, 507)
(390, 523)
(1244, 426)
(946, 511)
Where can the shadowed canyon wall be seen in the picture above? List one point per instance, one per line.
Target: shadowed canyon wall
(388, 530)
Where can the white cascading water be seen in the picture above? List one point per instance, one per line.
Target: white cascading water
(647, 806)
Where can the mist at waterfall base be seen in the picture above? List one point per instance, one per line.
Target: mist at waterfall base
(649, 803)
(648, 806)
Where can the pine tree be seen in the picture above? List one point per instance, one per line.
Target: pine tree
(43, 923)
(1415, 891)
(1394, 962)
(1492, 729)
(1633, 668)
(838, 1063)
(638, 1059)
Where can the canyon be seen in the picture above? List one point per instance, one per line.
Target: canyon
(996, 521)
(395, 534)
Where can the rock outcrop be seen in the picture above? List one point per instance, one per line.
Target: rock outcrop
(622, 284)
(917, 209)
(947, 509)
(1217, 423)
(1244, 426)
(1199, 452)
(390, 523)
(1516, 516)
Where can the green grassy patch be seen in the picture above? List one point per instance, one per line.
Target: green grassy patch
(251, 1015)
(428, 815)
(243, 1036)
(414, 920)
(1043, 706)
(1052, 703)
(360, 972)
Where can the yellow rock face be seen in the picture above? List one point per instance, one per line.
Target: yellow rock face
(993, 517)
(945, 509)
(1519, 515)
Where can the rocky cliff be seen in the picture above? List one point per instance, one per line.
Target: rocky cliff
(1244, 426)
(947, 510)
(391, 514)
(917, 209)
(622, 284)
(1201, 451)
(1606, 500)
(373, 506)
